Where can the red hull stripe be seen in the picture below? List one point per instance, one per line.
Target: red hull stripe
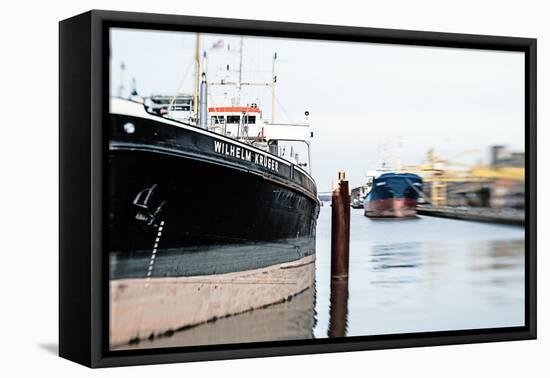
(394, 207)
(233, 109)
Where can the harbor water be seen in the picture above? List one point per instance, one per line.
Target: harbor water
(406, 275)
(425, 274)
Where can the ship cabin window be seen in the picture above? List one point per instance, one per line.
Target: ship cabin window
(160, 101)
(233, 119)
(249, 119)
(216, 120)
(181, 108)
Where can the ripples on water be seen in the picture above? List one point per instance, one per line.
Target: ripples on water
(425, 274)
(406, 275)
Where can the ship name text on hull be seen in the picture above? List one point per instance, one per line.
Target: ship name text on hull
(238, 152)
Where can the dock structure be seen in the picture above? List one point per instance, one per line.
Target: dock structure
(478, 214)
(357, 196)
(324, 196)
(500, 184)
(493, 193)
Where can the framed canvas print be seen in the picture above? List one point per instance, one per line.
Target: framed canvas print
(236, 188)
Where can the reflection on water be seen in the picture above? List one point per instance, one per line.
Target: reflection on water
(425, 274)
(407, 275)
(290, 320)
(338, 312)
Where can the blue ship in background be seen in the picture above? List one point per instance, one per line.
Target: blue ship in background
(393, 195)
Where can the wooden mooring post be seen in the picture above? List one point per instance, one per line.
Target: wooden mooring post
(338, 312)
(339, 266)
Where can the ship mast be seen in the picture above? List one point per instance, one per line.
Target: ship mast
(197, 77)
(274, 80)
(239, 82)
(121, 86)
(399, 152)
(240, 70)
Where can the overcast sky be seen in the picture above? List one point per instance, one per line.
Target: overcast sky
(364, 99)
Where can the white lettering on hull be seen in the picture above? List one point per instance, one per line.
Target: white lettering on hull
(241, 153)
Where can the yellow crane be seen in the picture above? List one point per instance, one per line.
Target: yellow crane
(436, 172)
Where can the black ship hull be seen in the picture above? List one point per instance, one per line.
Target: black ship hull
(188, 202)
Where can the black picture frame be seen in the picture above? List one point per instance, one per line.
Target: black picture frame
(83, 283)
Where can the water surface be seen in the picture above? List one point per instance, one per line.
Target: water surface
(406, 275)
(424, 274)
